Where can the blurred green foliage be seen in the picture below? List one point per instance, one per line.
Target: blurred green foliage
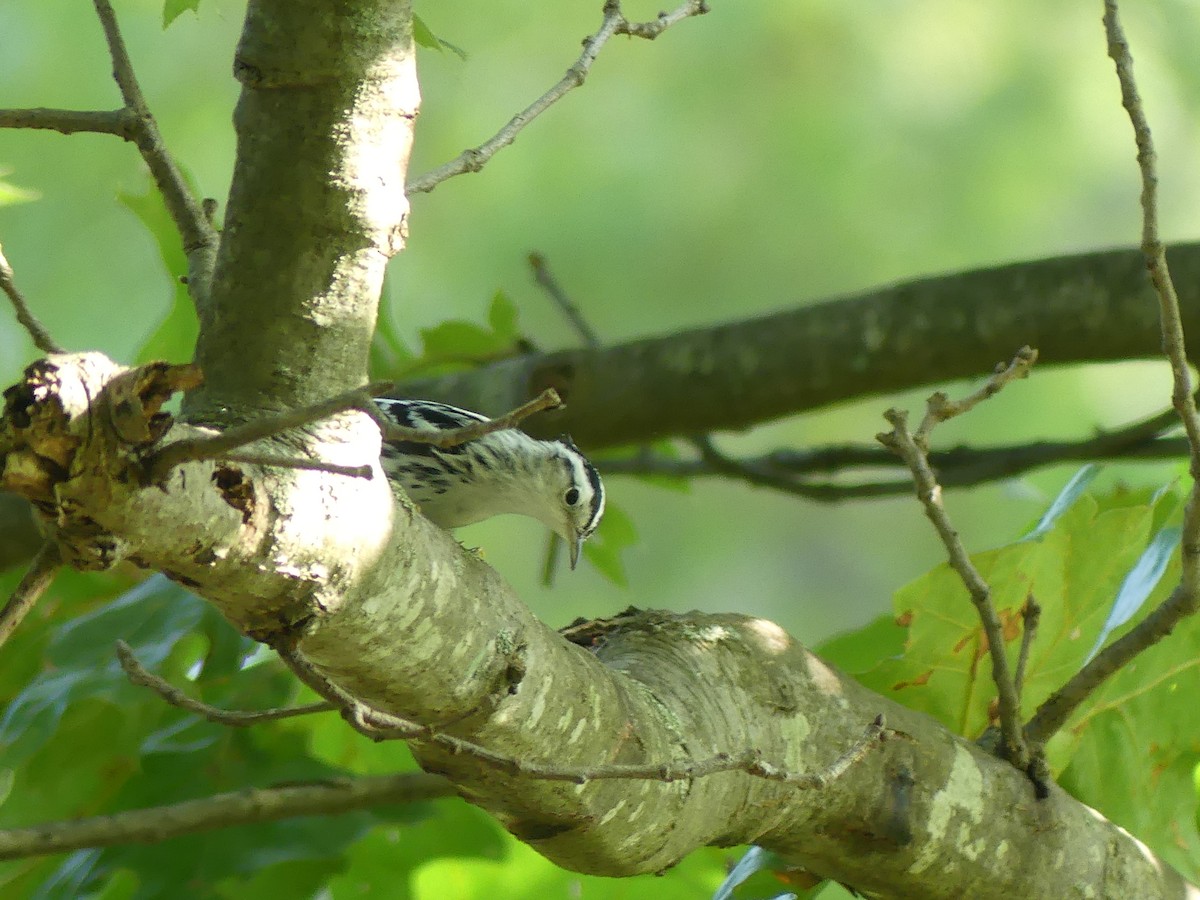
(762, 156)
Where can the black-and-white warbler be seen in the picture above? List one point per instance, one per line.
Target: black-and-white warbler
(502, 472)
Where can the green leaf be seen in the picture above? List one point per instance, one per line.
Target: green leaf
(1066, 497)
(863, 648)
(603, 549)
(173, 9)
(502, 316)
(10, 194)
(1139, 582)
(174, 339)
(426, 38)
(1070, 570)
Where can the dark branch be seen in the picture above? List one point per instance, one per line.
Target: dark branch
(1090, 308)
(792, 470)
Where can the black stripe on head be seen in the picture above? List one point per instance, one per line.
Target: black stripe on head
(597, 503)
(597, 497)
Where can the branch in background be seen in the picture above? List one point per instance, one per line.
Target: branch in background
(246, 807)
(139, 675)
(1185, 598)
(568, 307)
(39, 577)
(911, 447)
(1088, 308)
(614, 22)
(791, 470)
(37, 331)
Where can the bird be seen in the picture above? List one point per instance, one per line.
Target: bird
(504, 471)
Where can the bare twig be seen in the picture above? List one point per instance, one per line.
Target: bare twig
(218, 446)
(199, 237)
(614, 22)
(246, 807)
(545, 278)
(382, 726)
(912, 449)
(940, 408)
(1184, 601)
(120, 122)
(39, 577)
(37, 331)
(141, 676)
(1031, 614)
(308, 465)
(547, 399)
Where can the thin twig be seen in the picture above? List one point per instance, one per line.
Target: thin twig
(198, 235)
(217, 446)
(614, 22)
(547, 399)
(307, 465)
(545, 278)
(378, 725)
(941, 408)
(40, 576)
(905, 443)
(1031, 614)
(1182, 396)
(37, 331)
(250, 806)
(1184, 600)
(141, 676)
(119, 122)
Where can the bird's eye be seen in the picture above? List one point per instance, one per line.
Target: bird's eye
(572, 496)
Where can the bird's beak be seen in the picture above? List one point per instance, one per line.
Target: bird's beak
(576, 547)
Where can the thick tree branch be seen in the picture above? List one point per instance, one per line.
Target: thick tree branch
(248, 807)
(316, 208)
(1094, 307)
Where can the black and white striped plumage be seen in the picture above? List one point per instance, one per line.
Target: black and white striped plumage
(503, 472)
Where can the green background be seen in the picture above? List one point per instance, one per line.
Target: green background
(760, 157)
